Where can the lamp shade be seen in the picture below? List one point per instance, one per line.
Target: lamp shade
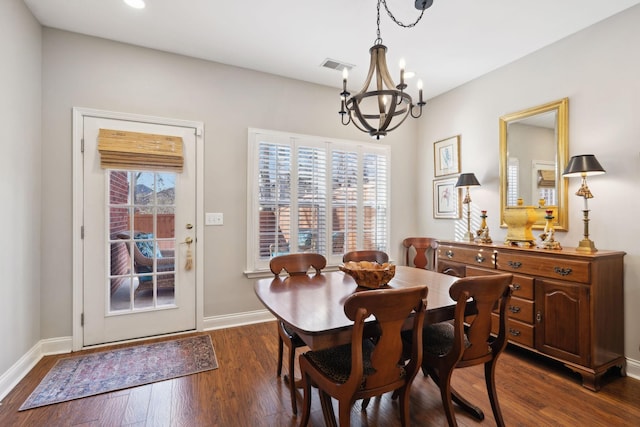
(467, 180)
(584, 164)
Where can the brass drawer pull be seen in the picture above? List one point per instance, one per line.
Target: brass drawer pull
(449, 253)
(514, 264)
(562, 271)
(514, 309)
(479, 258)
(516, 286)
(514, 332)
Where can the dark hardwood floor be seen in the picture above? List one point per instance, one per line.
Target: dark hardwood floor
(244, 391)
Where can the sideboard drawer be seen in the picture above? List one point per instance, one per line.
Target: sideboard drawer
(475, 256)
(518, 332)
(520, 309)
(522, 286)
(547, 266)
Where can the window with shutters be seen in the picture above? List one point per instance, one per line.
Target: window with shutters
(313, 194)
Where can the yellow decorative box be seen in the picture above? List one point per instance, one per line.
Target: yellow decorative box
(519, 220)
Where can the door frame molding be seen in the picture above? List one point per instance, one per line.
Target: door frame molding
(78, 205)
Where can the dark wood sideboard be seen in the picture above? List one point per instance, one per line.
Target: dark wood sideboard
(566, 305)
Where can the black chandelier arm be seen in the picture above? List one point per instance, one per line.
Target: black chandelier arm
(412, 108)
(342, 114)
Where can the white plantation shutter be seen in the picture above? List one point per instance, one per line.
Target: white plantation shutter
(274, 184)
(375, 201)
(308, 194)
(311, 202)
(344, 200)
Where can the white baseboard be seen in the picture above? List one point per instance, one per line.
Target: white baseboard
(237, 319)
(10, 378)
(633, 368)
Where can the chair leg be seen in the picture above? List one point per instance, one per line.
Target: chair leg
(447, 404)
(365, 403)
(280, 350)
(344, 410)
(292, 378)
(327, 409)
(490, 379)
(404, 404)
(306, 409)
(454, 396)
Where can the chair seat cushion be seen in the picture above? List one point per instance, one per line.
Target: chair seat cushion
(438, 338)
(335, 363)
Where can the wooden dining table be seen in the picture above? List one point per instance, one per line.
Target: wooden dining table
(313, 305)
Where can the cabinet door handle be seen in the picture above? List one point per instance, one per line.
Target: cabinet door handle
(514, 309)
(514, 332)
(562, 271)
(479, 258)
(514, 264)
(449, 254)
(539, 317)
(516, 286)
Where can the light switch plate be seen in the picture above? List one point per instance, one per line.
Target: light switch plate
(214, 218)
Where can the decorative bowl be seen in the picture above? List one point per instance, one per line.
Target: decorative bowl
(369, 274)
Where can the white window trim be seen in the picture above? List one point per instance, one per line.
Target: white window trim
(256, 268)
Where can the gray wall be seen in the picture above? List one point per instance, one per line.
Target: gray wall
(20, 176)
(598, 70)
(89, 72)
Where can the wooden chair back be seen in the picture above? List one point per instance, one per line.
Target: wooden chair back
(391, 308)
(376, 370)
(420, 252)
(373, 256)
(487, 293)
(297, 264)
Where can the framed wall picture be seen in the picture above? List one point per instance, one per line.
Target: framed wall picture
(446, 156)
(446, 198)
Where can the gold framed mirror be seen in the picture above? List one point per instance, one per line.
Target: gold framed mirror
(534, 147)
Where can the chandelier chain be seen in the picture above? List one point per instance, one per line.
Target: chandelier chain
(400, 23)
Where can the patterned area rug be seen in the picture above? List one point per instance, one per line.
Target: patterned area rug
(95, 373)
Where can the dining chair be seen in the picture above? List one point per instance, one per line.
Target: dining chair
(366, 368)
(451, 345)
(366, 255)
(420, 252)
(378, 256)
(293, 264)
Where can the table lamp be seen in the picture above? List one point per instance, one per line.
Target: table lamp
(467, 180)
(583, 166)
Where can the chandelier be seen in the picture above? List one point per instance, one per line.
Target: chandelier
(387, 105)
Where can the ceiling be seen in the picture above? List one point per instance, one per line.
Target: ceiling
(455, 42)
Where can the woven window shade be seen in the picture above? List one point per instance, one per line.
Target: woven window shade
(132, 150)
(546, 178)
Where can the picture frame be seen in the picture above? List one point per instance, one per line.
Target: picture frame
(446, 156)
(446, 199)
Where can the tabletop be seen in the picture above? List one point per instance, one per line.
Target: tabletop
(314, 304)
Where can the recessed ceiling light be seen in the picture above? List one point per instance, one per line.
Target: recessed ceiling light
(136, 4)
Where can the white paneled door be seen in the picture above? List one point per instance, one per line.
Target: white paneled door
(138, 238)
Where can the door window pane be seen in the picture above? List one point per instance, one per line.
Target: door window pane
(141, 221)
